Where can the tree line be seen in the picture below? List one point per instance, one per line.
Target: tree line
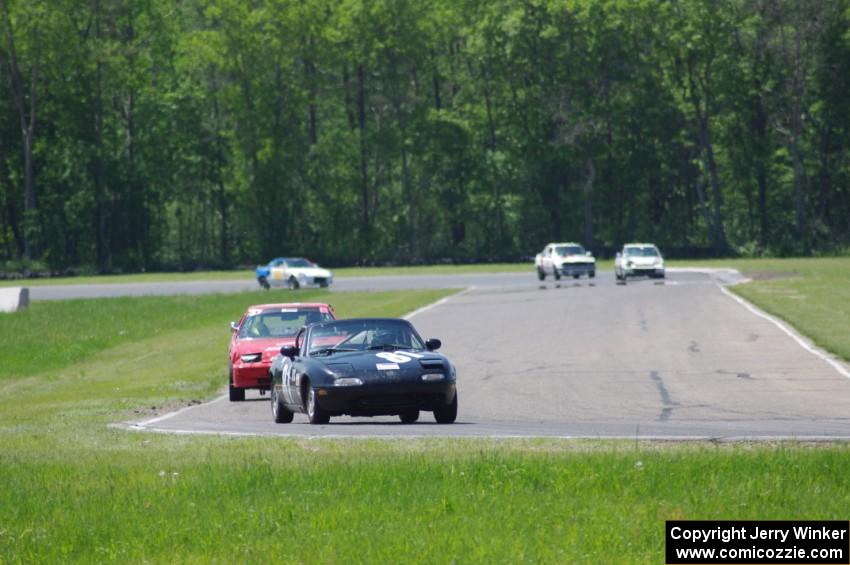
(171, 134)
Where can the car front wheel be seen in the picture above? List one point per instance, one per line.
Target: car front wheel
(314, 412)
(446, 414)
(409, 416)
(540, 274)
(234, 394)
(292, 284)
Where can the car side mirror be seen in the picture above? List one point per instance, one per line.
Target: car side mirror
(234, 326)
(433, 344)
(589, 254)
(619, 254)
(289, 351)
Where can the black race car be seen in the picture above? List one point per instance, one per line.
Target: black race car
(362, 367)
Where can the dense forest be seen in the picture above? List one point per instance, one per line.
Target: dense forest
(174, 134)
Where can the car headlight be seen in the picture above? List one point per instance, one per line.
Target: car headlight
(348, 381)
(251, 357)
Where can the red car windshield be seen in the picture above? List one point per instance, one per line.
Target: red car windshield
(284, 322)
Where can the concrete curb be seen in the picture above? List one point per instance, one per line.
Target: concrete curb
(14, 298)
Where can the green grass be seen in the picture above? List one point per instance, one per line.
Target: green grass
(74, 489)
(161, 499)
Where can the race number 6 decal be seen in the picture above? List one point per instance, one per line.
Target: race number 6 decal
(398, 357)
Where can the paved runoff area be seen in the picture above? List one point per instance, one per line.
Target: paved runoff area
(679, 359)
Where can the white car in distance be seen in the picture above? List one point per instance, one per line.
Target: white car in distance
(564, 260)
(639, 259)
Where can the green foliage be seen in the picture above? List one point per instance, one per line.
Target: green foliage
(217, 132)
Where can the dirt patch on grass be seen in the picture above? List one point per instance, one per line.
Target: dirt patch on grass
(770, 275)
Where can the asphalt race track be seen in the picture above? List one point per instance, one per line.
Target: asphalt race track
(678, 359)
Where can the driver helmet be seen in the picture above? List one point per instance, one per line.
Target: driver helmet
(384, 336)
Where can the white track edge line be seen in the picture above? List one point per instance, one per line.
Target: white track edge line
(144, 424)
(439, 302)
(801, 341)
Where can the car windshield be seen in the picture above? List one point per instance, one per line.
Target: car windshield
(641, 252)
(298, 263)
(280, 322)
(361, 335)
(564, 250)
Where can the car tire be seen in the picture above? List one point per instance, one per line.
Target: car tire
(233, 393)
(592, 274)
(446, 414)
(556, 274)
(409, 416)
(282, 414)
(540, 274)
(264, 283)
(292, 284)
(577, 275)
(314, 412)
(323, 284)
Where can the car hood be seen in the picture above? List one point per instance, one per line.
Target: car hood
(269, 347)
(371, 362)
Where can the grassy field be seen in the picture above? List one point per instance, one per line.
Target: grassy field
(74, 489)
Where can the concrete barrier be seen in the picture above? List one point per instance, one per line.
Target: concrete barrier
(14, 299)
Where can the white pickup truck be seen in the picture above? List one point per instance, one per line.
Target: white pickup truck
(564, 260)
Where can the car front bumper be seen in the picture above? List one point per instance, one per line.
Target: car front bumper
(252, 375)
(570, 269)
(644, 271)
(385, 399)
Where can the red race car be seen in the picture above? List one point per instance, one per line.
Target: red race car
(258, 337)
